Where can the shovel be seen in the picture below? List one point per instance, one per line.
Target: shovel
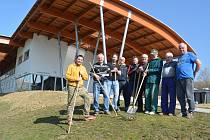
(133, 108)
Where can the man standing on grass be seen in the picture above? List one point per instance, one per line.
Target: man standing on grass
(142, 68)
(152, 83)
(132, 69)
(113, 84)
(123, 80)
(75, 75)
(168, 86)
(100, 74)
(185, 73)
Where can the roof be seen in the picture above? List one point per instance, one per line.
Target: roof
(53, 17)
(7, 54)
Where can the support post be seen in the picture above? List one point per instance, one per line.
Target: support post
(77, 39)
(55, 83)
(42, 79)
(94, 56)
(103, 30)
(125, 34)
(60, 61)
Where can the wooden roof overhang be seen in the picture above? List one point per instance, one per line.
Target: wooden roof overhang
(53, 17)
(7, 54)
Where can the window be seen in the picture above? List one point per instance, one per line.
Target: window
(20, 59)
(26, 55)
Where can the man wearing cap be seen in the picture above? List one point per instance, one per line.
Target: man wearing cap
(152, 83)
(185, 73)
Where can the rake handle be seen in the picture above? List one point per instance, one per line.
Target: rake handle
(77, 87)
(140, 86)
(104, 90)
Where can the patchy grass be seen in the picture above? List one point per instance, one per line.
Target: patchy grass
(41, 116)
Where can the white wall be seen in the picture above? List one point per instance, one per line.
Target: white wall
(25, 66)
(44, 56)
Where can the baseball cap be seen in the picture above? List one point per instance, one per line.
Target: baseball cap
(154, 51)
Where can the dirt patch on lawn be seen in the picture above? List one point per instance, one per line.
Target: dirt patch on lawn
(33, 100)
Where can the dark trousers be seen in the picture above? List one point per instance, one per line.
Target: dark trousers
(168, 89)
(151, 97)
(140, 97)
(184, 90)
(130, 89)
(123, 85)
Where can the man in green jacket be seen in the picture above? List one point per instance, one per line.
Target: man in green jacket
(152, 83)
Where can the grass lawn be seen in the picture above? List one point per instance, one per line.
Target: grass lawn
(41, 116)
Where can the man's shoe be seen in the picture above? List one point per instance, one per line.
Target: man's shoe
(118, 110)
(152, 113)
(96, 113)
(107, 113)
(190, 115)
(171, 114)
(146, 112)
(183, 115)
(90, 117)
(139, 110)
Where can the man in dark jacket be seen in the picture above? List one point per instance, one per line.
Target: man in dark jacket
(123, 80)
(132, 81)
(142, 67)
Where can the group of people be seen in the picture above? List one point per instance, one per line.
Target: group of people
(140, 78)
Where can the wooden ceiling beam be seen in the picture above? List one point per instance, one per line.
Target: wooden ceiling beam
(81, 14)
(152, 43)
(136, 30)
(68, 16)
(69, 5)
(120, 26)
(16, 43)
(55, 31)
(26, 35)
(98, 15)
(50, 29)
(113, 20)
(143, 36)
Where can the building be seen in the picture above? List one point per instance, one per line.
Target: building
(37, 54)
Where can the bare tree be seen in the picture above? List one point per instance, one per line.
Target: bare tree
(203, 80)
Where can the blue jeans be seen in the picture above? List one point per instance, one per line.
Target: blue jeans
(97, 89)
(113, 87)
(168, 88)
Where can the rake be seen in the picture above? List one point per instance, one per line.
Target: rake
(104, 90)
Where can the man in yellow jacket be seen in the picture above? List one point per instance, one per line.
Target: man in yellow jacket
(75, 75)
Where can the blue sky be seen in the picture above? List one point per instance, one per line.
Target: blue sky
(189, 18)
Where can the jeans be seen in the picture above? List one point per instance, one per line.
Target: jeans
(168, 88)
(184, 89)
(97, 89)
(113, 87)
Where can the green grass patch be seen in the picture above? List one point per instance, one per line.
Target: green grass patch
(49, 123)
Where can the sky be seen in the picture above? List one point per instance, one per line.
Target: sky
(189, 18)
